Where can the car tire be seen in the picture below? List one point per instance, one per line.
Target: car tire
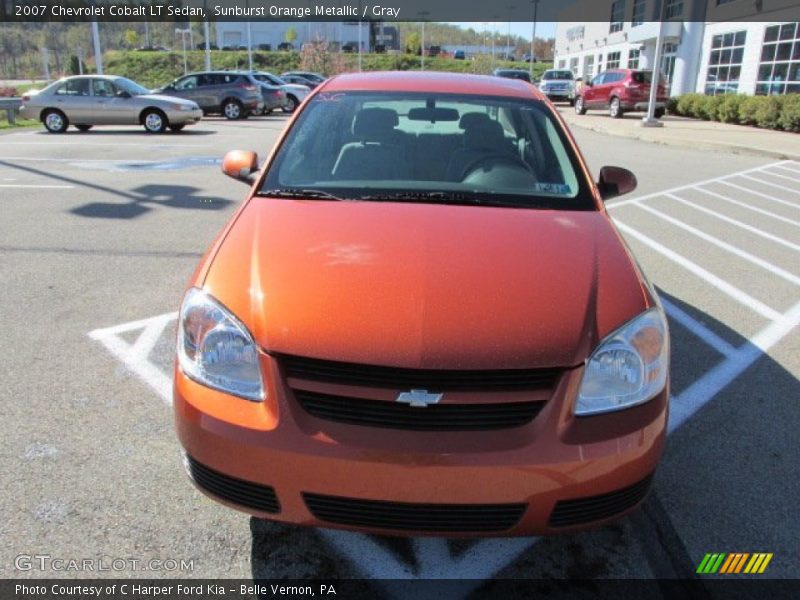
(291, 104)
(659, 113)
(55, 121)
(232, 110)
(83, 127)
(615, 108)
(177, 127)
(154, 121)
(572, 101)
(579, 106)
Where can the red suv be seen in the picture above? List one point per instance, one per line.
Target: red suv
(621, 90)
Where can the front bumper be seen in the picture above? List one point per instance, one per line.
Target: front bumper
(185, 117)
(559, 94)
(555, 459)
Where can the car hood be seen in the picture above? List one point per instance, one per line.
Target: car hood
(425, 286)
(296, 87)
(168, 99)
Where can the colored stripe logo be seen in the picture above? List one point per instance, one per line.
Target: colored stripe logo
(734, 562)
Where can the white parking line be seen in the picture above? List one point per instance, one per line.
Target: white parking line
(740, 296)
(760, 194)
(775, 270)
(775, 185)
(35, 186)
(84, 142)
(774, 174)
(740, 224)
(700, 331)
(760, 211)
(787, 167)
(694, 185)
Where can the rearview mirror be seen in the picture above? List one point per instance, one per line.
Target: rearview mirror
(241, 165)
(433, 114)
(615, 181)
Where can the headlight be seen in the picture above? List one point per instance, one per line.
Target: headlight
(628, 368)
(183, 107)
(215, 349)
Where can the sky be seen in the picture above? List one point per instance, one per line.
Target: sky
(543, 29)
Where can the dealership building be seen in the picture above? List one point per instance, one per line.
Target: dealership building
(708, 46)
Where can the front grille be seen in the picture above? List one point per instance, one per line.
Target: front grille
(402, 516)
(312, 369)
(595, 508)
(436, 417)
(237, 491)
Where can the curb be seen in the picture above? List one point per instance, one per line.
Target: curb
(689, 143)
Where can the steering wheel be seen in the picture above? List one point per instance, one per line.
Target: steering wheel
(495, 157)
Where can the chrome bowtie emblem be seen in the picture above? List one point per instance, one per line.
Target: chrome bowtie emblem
(419, 398)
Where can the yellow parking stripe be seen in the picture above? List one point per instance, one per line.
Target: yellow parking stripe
(765, 563)
(753, 562)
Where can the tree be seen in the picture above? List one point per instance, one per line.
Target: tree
(318, 57)
(413, 43)
(291, 35)
(131, 38)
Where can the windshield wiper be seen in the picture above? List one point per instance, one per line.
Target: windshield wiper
(300, 194)
(442, 198)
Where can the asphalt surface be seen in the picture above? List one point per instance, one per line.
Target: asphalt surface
(103, 229)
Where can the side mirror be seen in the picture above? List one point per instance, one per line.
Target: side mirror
(240, 164)
(123, 94)
(615, 181)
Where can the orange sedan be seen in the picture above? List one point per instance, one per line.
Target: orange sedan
(423, 321)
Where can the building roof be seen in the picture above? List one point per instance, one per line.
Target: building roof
(429, 81)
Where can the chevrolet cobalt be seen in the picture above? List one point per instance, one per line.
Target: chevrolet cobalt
(422, 320)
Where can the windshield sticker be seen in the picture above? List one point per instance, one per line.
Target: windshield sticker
(552, 188)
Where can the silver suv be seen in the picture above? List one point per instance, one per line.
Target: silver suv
(234, 94)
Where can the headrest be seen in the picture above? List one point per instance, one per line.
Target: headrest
(472, 119)
(488, 134)
(374, 123)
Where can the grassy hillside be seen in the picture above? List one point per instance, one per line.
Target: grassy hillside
(153, 69)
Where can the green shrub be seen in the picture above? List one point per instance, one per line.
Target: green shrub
(768, 112)
(728, 109)
(708, 108)
(689, 105)
(748, 108)
(672, 105)
(789, 119)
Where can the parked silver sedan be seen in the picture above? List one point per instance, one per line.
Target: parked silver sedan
(84, 101)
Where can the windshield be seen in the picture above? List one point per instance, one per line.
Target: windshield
(269, 78)
(133, 88)
(561, 75)
(429, 147)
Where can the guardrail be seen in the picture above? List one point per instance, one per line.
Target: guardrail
(10, 105)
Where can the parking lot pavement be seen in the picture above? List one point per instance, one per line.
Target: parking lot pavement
(98, 270)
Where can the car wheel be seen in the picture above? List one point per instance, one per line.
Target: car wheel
(177, 126)
(572, 101)
(232, 109)
(579, 106)
(658, 113)
(614, 109)
(55, 121)
(291, 105)
(83, 127)
(154, 121)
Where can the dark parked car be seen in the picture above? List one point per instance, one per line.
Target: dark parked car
(459, 55)
(230, 93)
(513, 74)
(619, 91)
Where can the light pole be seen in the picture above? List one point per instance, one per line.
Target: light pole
(650, 120)
(423, 14)
(533, 36)
(249, 48)
(208, 46)
(183, 33)
(510, 8)
(98, 56)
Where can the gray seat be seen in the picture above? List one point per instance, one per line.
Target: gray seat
(483, 137)
(379, 152)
